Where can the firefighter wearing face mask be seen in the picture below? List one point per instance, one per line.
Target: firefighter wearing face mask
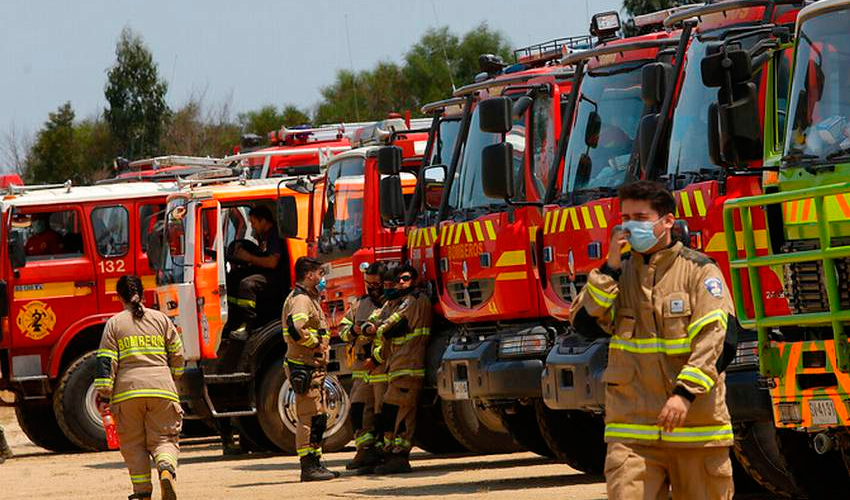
(363, 312)
(307, 353)
(400, 342)
(669, 314)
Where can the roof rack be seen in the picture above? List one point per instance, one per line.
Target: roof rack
(657, 18)
(695, 11)
(15, 189)
(551, 50)
(440, 106)
(383, 131)
(176, 160)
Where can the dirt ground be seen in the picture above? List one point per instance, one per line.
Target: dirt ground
(204, 473)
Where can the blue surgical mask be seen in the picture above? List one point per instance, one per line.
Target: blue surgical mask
(641, 234)
(321, 285)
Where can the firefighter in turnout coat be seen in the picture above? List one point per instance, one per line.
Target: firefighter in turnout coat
(401, 340)
(307, 352)
(668, 310)
(139, 357)
(364, 311)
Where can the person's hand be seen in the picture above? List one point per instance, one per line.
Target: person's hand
(619, 240)
(357, 330)
(674, 413)
(102, 401)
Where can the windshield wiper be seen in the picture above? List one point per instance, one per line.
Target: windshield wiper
(798, 155)
(842, 154)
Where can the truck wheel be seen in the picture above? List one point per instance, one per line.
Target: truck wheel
(75, 406)
(278, 419)
(38, 422)
(817, 476)
(479, 429)
(252, 433)
(432, 434)
(758, 453)
(576, 438)
(522, 426)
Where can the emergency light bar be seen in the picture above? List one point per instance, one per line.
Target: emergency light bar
(553, 49)
(605, 25)
(657, 18)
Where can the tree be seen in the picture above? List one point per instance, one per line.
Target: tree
(267, 118)
(137, 112)
(52, 158)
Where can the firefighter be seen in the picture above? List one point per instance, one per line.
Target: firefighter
(400, 342)
(5, 449)
(668, 310)
(361, 313)
(307, 353)
(44, 240)
(264, 271)
(140, 356)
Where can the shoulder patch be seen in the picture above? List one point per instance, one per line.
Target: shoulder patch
(714, 286)
(699, 258)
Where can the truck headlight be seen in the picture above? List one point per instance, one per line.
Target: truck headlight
(747, 355)
(523, 345)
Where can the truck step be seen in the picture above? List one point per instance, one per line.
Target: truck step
(227, 378)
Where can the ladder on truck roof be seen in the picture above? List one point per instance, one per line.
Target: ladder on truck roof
(157, 162)
(550, 50)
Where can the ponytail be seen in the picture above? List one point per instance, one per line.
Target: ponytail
(130, 290)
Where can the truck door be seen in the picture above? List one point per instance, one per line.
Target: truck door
(110, 230)
(149, 214)
(56, 285)
(210, 277)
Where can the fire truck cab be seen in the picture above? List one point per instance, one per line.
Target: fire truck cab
(64, 248)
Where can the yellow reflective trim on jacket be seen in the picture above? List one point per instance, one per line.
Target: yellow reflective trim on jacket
(419, 332)
(603, 299)
(299, 316)
(103, 382)
(633, 431)
(177, 371)
(107, 353)
(145, 393)
(697, 376)
(407, 373)
(139, 351)
(699, 434)
(360, 375)
(346, 321)
(718, 315)
(377, 378)
(652, 345)
(295, 362)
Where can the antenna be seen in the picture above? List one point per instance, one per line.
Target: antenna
(353, 74)
(443, 46)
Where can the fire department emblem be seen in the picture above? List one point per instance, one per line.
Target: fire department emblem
(36, 320)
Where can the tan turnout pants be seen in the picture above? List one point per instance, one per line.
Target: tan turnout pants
(308, 405)
(148, 427)
(402, 392)
(634, 472)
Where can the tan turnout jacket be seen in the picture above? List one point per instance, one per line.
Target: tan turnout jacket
(139, 357)
(668, 320)
(402, 337)
(361, 311)
(305, 329)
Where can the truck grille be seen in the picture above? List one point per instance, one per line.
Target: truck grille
(805, 284)
(473, 295)
(561, 285)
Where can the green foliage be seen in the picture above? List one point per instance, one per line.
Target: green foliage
(268, 118)
(195, 131)
(137, 112)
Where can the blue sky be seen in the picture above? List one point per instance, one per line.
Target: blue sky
(253, 53)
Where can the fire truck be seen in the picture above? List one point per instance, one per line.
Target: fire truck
(803, 349)
(64, 249)
(677, 137)
(162, 168)
(9, 177)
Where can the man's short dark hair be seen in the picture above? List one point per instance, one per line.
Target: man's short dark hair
(305, 265)
(261, 212)
(659, 198)
(406, 268)
(377, 268)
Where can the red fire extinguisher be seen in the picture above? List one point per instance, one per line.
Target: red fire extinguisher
(109, 426)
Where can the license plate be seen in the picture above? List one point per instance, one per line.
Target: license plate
(461, 389)
(823, 412)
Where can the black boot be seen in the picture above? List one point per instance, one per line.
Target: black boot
(167, 480)
(313, 470)
(395, 463)
(367, 457)
(5, 450)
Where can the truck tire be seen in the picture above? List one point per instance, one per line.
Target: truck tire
(576, 438)
(252, 437)
(276, 411)
(75, 407)
(757, 452)
(817, 476)
(466, 425)
(522, 426)
(38, 422)
(432, 433)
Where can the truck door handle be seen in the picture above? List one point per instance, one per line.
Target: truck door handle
(83, 284)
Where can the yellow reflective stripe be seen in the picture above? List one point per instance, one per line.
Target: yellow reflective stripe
(364, 439)
(651, 345)
(633, 431)
(698, 434)
(491, 232)
(165, 457)
(401, 442)
(419, 332)
(686, 204)
(140, 478)
(103, 382)
(139, 351)
(107, 353)
(295, 362)
(307, 450)
(299, 317)
(600, 216)
(376, 353)
(360, 375)
(699, 202)
(716, 315)
(310, 341)
(697, 376)
(377, 377)
(177, 371)
(145, 393)
(346, 321)
(174, 346)
(410, 372)
(602, 298)
(246, 303)
(343, 333)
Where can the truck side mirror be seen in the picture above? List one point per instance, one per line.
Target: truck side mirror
(495, 115)
(739, 130)
(718, 63)
(655, 82)
(17, 254)
(433, 184)
(389, 160)
(156, 242)
(591, 132)
(392, 199)
(287, 217)
(497, 170)
(646, 132)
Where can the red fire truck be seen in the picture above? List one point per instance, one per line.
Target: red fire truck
(64, 249)
(9, 177)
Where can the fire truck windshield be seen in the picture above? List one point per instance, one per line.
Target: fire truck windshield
(606, 124)
(445, 141)
(342, 223)
(819, 111)
(173, 251)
